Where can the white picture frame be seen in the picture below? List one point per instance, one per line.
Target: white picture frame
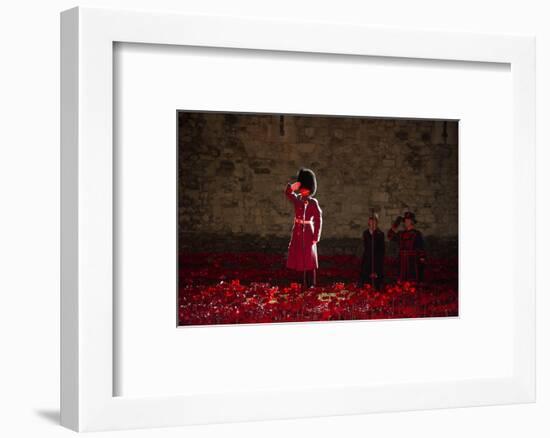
(87, 317)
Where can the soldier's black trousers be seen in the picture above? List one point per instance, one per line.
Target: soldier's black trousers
(310, 278)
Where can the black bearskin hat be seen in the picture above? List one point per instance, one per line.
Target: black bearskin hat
(307, 179)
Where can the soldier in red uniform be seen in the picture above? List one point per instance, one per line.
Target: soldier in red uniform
(412, 256)
(306, 230)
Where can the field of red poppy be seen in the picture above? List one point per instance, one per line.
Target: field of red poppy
(239, 288)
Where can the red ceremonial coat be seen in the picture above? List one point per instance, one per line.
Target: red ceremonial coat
(411, 254)
(302, 252)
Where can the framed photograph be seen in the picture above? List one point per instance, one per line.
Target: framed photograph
(241, 261)
(270, 219)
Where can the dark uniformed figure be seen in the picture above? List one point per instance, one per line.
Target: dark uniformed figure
(412, 256)
(306, 230)
(372, 262)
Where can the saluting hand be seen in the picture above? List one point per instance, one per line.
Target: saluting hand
(397, 221)
(295, 186)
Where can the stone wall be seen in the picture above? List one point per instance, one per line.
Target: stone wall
(233, 169)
